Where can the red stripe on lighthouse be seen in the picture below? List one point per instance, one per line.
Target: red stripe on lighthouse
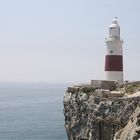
(114, 63)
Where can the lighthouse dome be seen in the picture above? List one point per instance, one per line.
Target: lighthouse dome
(115, 20)
(114, 23)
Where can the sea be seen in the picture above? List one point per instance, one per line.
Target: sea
(32, 111)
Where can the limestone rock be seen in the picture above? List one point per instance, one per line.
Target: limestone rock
(89, 116)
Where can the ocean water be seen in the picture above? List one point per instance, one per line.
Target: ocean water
(32, 112)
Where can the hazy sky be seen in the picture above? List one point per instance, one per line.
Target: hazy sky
(64, 40)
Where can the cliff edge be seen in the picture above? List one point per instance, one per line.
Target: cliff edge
(103, 110)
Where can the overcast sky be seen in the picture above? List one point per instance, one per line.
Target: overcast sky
(64, 40)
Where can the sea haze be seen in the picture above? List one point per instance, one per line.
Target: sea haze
(32, 112)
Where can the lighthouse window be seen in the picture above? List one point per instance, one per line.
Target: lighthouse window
(119, 31)
(111, 51)
(111, 29)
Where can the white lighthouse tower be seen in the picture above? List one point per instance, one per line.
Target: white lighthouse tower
(114, 54)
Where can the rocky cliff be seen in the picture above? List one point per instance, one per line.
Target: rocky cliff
(97, 112)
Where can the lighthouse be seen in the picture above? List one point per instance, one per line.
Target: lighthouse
(114, 54)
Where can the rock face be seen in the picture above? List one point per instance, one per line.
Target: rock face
(132, 130)
(101, 114)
